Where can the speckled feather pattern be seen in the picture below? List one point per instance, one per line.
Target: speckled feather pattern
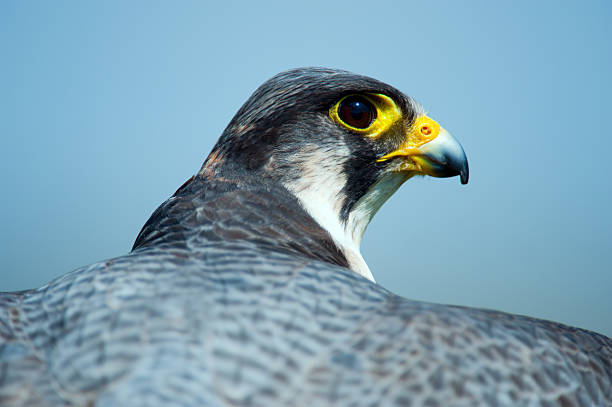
(234, 296)
(186, 328)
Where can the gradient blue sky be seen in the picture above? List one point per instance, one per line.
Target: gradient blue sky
(107, 107)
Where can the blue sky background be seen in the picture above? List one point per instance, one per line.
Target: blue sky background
(107, 107)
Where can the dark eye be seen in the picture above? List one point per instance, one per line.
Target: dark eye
(356, 111)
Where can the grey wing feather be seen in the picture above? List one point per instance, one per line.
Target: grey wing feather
(270, 329)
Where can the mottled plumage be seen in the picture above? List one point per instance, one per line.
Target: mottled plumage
(234, 295)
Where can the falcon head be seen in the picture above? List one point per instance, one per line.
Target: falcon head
(340, 143)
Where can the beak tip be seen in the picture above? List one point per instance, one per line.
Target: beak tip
(465, 174)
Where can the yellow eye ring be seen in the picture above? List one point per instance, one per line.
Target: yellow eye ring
(384, 113)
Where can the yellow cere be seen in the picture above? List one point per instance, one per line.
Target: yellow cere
(423, 130)
(387, 113)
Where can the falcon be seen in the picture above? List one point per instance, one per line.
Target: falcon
(247, 286)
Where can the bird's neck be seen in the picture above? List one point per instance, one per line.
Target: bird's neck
(324, 196)
(322, 200)
(248, 211)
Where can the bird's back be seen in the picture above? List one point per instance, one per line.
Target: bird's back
(187, 329)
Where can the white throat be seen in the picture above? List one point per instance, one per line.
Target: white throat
(320, 191)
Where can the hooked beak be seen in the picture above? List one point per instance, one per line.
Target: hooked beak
(430, 150)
